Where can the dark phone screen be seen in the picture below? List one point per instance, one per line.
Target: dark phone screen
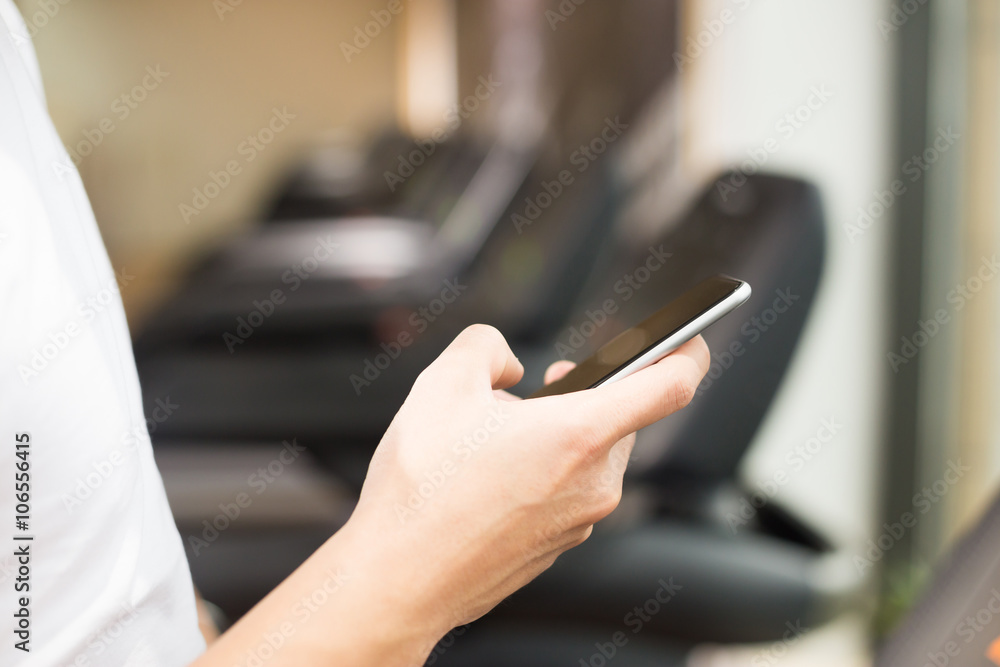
(632, 343)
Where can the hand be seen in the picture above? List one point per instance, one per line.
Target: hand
(472, 492)
(470, 495)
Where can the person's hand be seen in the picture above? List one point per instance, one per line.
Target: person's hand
(472, 492)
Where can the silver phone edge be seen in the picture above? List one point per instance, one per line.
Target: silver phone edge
(686, 333)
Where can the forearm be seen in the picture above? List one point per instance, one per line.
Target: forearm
(470, 494)
(344, 607)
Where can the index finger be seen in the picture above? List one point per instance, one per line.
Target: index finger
(649, 395)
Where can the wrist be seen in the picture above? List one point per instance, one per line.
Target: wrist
(349, 604)
(393, 614)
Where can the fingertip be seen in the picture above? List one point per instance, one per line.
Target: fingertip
(558, 370)
(698, 350)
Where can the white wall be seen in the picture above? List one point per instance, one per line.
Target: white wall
(763, 65)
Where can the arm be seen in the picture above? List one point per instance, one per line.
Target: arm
(471, 494)
(206, 624)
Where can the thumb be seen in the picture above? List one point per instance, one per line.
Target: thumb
(478, 358)
(651, 394)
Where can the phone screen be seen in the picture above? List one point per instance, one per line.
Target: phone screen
(630, 345)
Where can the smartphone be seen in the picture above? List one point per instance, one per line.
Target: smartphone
(655, 337)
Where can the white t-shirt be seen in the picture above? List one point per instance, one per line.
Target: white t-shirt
(109, 582)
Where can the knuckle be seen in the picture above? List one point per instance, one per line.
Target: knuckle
(547, 561)
(483, 334)
(605, 503)
(681, 392)
(610, 499)
(580, 536)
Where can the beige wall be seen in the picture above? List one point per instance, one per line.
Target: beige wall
(978, 427)
(225, 76)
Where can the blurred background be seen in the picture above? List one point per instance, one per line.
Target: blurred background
(305, 202)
